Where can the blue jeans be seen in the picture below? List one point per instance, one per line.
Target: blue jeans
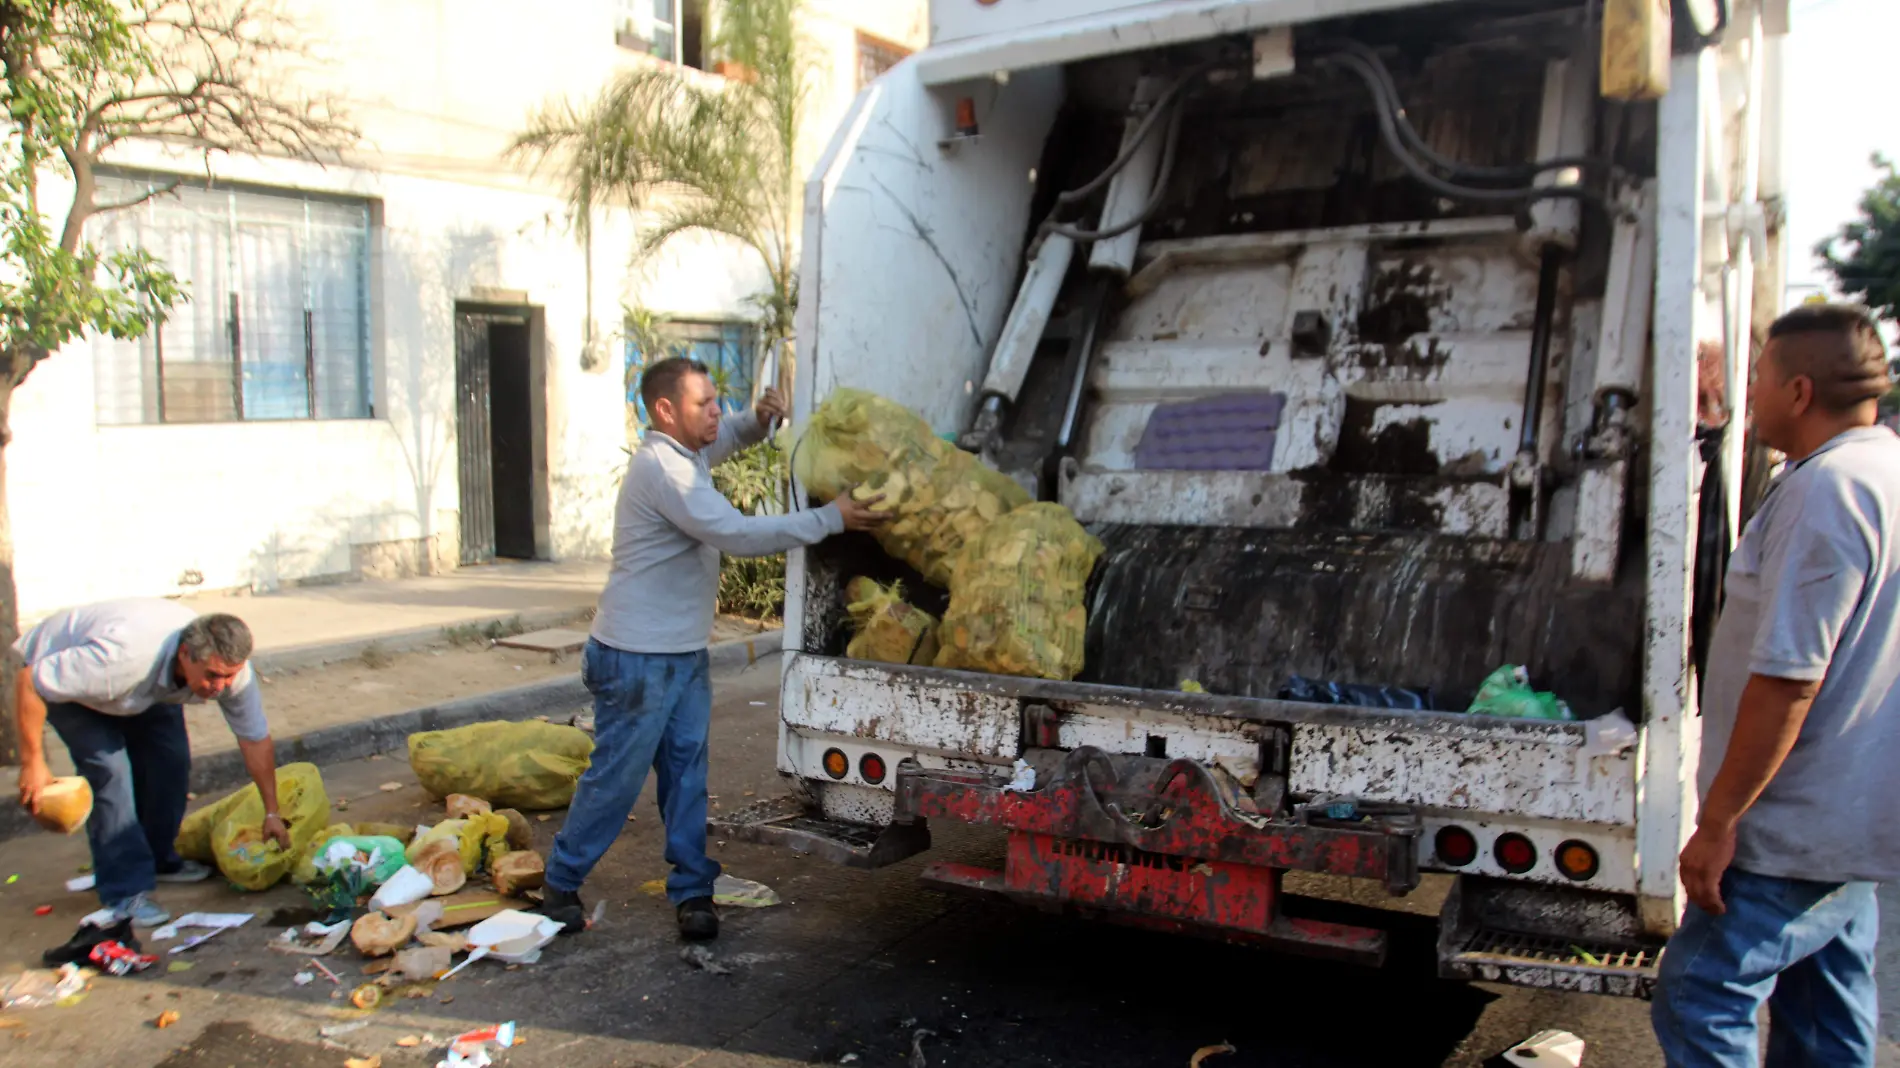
(1806, 948)
(651, 710)
(140, 770)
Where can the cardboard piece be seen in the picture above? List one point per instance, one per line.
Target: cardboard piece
(463, 908)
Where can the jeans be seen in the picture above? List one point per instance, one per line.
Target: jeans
(651, 710)
(1806, 948)
(140, 769)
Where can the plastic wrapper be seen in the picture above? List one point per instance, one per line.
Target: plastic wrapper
(939, 496)
(1016, 606)
(1507, 692)
(886, 628)
(230, 831)
(526, 765)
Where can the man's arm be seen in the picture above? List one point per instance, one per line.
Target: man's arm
(29, 718)
(691, 503)
(736, 434)
(243, 707)
(1766, 727)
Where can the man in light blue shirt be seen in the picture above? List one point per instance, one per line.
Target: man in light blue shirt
(646, 662)
(112, 679)
(1801, 728)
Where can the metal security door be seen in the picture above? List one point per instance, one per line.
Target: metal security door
(473, 438)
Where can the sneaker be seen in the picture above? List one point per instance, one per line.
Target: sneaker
(699, 921)
(187, 871)
(564, 907)
(142, 911)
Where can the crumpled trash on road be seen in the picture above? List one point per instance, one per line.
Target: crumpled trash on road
(701, 957)
(728, 890)
(39, 988)
(378, 934)
(1507, 692)
(312, 939)
(510, 936)
(470, 1048)
(1557, 1049)
(117, 958)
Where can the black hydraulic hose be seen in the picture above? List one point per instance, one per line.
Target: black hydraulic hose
(1163, 173)
(1382, 76)
(1160, 107)
(1388, 129)
(1541, 325)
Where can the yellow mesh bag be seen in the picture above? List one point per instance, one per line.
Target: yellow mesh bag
(885, 627)
(526, 765)
(1016, 606)
(940, 497)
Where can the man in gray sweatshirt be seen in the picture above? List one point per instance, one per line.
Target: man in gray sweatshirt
(646, 662)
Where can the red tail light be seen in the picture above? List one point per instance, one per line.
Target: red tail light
(1455, 847)
(871, 768)
(1515, 853)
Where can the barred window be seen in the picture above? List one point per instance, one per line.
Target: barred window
(728, 349)
(875, 56)
(277, 325)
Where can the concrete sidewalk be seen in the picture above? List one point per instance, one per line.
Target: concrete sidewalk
(309, 625)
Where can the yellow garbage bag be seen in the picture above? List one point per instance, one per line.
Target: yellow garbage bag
(885, 627)
(940, 497)
(526, 765)
(238, 846)
(1016, 606)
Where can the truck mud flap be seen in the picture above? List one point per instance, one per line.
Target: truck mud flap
(1547, 937)
(786, 821)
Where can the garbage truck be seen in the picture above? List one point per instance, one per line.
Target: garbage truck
(1364, 335)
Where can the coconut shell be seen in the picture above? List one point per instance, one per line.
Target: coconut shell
(65, 804)
(520, 831)
(462, 806)
(441, 861)
(518, 871)
(376, 934)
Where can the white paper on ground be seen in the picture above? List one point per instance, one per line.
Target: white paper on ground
(406, 887)
(217, 921)
(513, 936)
(82, 884)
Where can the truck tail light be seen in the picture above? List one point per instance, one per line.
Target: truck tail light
(1577, 860)
(837, 765)
(871, 768)
(1455, 846)
(1515, 853)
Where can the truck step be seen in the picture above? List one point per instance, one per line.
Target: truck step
(786, 821)
(1554, 963)
(1548, 937)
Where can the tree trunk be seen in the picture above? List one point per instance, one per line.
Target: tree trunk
(9, 597)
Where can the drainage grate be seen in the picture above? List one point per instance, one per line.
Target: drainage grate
(1540, 949)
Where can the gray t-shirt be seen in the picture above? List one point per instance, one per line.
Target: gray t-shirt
(1813, 593)
(116, 657)
(670, 526)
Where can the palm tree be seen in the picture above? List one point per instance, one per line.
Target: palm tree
(701, 156)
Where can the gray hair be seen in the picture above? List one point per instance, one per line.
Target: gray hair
(220, 635)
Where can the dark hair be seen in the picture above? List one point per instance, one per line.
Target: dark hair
(223, 636)
(662, 380)
(1839, 349)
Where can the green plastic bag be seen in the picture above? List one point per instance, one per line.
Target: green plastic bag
(526, 765)
(387, 852)
(1507, 692)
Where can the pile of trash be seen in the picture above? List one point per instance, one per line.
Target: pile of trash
(1016, 571)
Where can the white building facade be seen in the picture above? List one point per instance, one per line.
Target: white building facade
(397, 366)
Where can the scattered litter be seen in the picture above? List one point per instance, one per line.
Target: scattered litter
(367, 997)
(43, 910)
(756, 704)
(600, 911)
(1024, 779)
(1585, 956)
(917, 1058)
(165, 1019)
(327, 973)
(1558, 1049)
(120, 959)
(37, 988)
(702, 958)
(337, 1030)
(469, 1049)
(1191, 686)
(374, 1060)
(14, 878)
(423, 963)
(409, 1042)
(1608, 735)
(543, 817)
(406, 887)
(390, 787)
(462, 806)
(1205, 1052)
(455, 910)
(511, 936)
(217, 921)
(312, 939)
(1507, 692)
(179, 966)
(517, 871)
(304, 978)
(82, 884)
(739, 893)
(452, 941)
(849, 1058)
(377, 934)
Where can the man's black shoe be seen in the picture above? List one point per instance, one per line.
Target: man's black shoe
(564, 907)
(78, 948)
(698, 921)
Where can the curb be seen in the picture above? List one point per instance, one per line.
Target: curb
(317, 654)
(224, 770)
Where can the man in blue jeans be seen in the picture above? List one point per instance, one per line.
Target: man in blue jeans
(113, 678)
(645, 662)
(1801, 728)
